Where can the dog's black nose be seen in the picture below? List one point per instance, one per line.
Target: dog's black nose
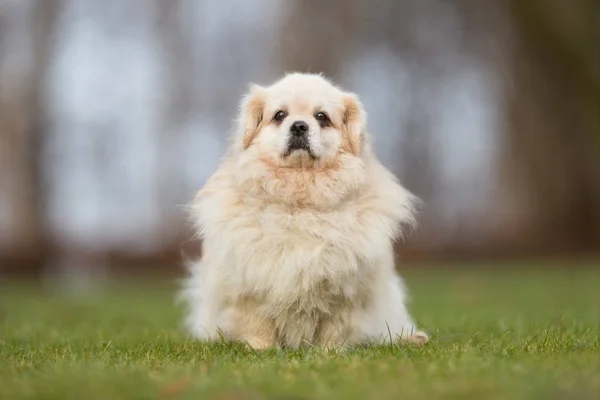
(299, 128)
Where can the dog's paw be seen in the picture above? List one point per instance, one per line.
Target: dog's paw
(418, 338)
(259, 343)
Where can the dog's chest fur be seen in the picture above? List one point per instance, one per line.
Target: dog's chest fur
(304, 259)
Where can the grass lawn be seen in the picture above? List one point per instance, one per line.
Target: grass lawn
(512, 333)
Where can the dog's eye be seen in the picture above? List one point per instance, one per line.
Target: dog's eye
(280, 116)
(322, 118)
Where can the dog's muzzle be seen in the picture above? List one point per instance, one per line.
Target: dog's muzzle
(298, 139)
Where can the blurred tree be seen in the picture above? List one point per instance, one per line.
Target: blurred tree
(316, 36)
(177, 47)
(22, 122)
(551, 151)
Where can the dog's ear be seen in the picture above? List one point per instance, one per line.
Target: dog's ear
(355, 122)
(251, 113)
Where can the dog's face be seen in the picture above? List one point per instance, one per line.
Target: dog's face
(301, 142)
(301, 121)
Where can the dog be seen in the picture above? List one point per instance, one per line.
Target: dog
(298, 225)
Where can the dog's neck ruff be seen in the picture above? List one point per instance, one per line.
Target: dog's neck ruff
(320, 186)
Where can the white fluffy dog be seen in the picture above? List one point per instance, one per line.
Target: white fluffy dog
(298, 225)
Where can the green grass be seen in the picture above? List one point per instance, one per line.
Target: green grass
(496, 333)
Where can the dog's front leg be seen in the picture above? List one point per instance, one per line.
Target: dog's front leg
(252, 328)
(334, 333)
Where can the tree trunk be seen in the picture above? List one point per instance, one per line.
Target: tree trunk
(551, 160)
(22, 127)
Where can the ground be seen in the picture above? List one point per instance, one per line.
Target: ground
(498, 331)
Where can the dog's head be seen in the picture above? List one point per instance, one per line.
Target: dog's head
(302, 120)
(301, 141)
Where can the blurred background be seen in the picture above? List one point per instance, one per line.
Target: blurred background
(113, 113)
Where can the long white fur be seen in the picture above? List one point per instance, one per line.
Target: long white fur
(299, 251)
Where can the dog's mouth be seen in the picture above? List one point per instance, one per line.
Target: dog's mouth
(299, 144)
